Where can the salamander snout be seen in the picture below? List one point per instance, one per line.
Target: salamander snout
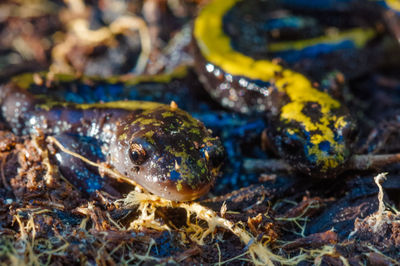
(169, 153)
(322, 152)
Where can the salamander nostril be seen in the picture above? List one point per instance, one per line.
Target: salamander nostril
(136, 169)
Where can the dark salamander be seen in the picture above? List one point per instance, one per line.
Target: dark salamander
(307, 126)
(161, 147)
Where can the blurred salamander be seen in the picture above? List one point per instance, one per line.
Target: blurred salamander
(391, 15)
(393, 5)
(308, 127)
(161, 147)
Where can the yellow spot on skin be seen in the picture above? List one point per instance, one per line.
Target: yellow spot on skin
(167, 114)
(179, 185)
(187, 175)
(24, 81)
(178, 72)
(125, 105)
(358, 36)
(149, 136)
(394, 4)
(146, 121)
(215, 46)
(195, 131)
(201, 164)
(123, 136)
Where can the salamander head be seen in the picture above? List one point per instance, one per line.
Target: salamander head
(168, 152)
(321, 152)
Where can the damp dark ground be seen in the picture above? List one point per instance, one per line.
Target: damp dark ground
(44, 220)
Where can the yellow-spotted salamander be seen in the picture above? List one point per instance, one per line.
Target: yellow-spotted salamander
(309, 128)
(161, 147)
(390, 4)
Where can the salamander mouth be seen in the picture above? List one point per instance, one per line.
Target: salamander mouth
(174, 186)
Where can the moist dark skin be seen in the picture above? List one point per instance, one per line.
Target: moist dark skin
(161, 147)
(309, 128)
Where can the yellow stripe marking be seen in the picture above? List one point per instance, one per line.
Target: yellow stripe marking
(215, 46)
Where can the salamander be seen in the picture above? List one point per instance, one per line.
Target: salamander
(390, 4)
(161, 147)
(308, 127)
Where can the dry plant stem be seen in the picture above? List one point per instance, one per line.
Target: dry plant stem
(27, 251)
(261, 165)
(378, 180)
(373, 161)
(357, 162)
(75, 5)
(83, 34)
(381, 209)
(81, 29)
(376, 220)
(259, 253)
(133, 22)
(45, 160)
(256, 248)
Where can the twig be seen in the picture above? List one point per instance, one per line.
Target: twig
(381, 209)
(133, 22)
(357, 162)
(80, 32)
(262, 165)
(372, 161)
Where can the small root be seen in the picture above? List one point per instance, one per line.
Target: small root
(260, 254)
(372, 161)
(380, 222)
(79, 33)
(261, 165)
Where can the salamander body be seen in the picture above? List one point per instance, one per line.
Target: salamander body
(160, 147)
(308, 127)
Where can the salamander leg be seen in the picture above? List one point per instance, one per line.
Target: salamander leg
(84, 177)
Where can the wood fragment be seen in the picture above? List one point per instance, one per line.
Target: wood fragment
(357, 162)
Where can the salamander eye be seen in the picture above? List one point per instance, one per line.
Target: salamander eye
(137, 154)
